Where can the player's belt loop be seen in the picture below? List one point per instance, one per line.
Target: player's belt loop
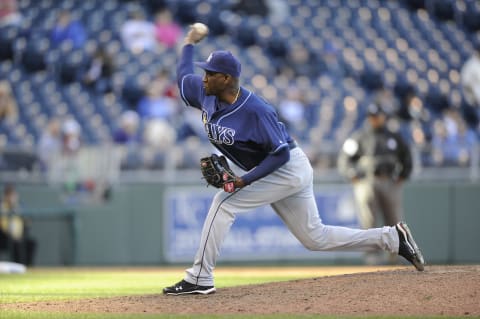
(292, 145)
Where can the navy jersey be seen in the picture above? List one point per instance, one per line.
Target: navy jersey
(246, 132)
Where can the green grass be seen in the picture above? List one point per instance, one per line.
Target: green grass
(77, 283)
(68, 284)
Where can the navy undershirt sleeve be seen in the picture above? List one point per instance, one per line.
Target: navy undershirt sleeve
(189, 84)
(185, 65)
(272, 162)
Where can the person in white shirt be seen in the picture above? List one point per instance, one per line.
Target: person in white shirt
(470, 78)
(138, 34)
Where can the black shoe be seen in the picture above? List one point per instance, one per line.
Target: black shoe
(408, 249)
(183, 288)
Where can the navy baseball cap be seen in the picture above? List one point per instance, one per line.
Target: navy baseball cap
(222, 62)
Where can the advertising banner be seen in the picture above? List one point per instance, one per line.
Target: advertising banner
(256, 235)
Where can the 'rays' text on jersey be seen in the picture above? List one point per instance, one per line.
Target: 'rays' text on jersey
(220, 134)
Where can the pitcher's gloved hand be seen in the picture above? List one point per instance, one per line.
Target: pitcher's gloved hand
(217, 172)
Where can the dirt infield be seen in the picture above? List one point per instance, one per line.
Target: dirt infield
(439, 290)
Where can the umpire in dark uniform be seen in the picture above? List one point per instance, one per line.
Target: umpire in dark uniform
(376, 161)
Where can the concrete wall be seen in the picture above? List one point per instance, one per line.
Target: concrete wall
(127, 230)
(445, 218)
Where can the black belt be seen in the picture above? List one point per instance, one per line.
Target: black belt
(292, 145)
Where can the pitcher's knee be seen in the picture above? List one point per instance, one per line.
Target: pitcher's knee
(311, 244)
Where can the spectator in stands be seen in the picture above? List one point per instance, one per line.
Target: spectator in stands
(127, 131)
(71, 136)
(386, 99)
(189, 151)
(9, 14)
(414, 120)
(157, 111)
(302, 62)
(159, 101)
(155, 5)
(410, 106)
(331, 60)
(8, 104)
(98, 74)
(250, 8)
(278, 10)
(275, 10)
(50, 144)
(159, 137)
(159, 134)
(470, 78)
(167, 31)
(138, 34)
(452, 141)
(292, 111)
(127, 136)
(14, 228)
(68, 29)
(66, 168)
(470, 17)
(190, 126)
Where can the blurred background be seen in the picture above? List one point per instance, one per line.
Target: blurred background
(104, 155)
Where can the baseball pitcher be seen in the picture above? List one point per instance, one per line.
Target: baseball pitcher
(246, 130)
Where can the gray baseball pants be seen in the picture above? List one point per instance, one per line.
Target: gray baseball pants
(289, 190)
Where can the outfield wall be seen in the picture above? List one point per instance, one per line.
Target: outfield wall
(137, 226)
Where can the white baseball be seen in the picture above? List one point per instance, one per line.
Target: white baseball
(200, 28)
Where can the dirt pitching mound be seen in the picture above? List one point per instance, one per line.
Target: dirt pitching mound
(439, 290)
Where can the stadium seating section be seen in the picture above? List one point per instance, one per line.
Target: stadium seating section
(397, 45)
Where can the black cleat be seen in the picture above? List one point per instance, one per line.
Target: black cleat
(408, 249)
(184, 288)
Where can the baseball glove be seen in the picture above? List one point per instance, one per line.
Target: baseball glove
(217, 172)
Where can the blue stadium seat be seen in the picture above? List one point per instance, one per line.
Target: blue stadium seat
(471, 16)
(34, 55)
(395, 44)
